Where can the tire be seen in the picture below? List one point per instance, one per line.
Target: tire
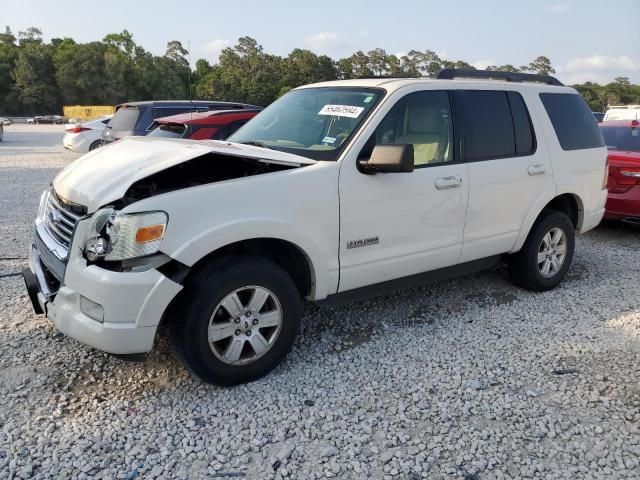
(524, 267)
(95, 145)
(215, 283)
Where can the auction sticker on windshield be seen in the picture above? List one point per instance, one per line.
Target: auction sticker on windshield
(341, 111)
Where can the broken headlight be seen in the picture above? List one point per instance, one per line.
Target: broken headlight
(115, 236)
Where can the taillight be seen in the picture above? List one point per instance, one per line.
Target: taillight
(77, 129)
(629, 175)
(623, 178)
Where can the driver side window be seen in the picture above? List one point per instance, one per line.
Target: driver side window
(422, 119)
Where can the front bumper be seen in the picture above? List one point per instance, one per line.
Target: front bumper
(133, 302)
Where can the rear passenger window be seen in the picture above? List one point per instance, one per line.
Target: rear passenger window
(525, 140)
(489, 131)
(572, 120)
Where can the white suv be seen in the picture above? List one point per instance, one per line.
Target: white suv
(340, 189)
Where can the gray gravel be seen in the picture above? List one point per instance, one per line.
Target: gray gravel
(470, 378)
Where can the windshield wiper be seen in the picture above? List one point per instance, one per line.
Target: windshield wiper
(257, 143)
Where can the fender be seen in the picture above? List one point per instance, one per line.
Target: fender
(548, 195)
(323, 280)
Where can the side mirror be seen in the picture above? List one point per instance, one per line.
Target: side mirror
(395, 158)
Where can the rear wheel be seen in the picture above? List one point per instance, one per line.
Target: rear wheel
(95, 145)
(241, 317)
(546, 255)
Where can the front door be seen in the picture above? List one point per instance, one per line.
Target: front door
(394, 225)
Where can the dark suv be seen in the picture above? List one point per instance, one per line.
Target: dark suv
(137, 118)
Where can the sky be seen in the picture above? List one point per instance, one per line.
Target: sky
(586, 40)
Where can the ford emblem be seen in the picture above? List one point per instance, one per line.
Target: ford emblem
(55, 217)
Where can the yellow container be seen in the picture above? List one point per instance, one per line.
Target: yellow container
(85, 112)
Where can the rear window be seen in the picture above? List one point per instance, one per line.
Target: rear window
(622, 138)
(125, 119)
(168, 131)
(572, 120)
(488, 125)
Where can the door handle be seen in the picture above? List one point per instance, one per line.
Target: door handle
(443, 183)
(537, 169)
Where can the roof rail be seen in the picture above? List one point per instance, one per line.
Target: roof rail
(451, 73)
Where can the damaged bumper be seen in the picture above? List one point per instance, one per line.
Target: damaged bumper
(116, 312)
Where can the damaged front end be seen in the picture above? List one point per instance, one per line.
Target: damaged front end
(124, 242)
(209, 168)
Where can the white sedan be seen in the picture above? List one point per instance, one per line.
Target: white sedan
(82, 137)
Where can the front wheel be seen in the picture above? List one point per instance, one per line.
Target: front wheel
(241, 317)
(546, 255)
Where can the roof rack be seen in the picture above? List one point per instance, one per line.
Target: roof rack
(451, 73)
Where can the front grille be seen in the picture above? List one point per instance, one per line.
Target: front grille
(59, 220)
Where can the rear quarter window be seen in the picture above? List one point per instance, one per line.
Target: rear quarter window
(572, 120)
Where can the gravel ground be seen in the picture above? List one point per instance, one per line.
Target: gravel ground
(470, 378)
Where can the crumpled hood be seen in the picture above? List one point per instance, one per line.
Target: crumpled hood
(105, 174)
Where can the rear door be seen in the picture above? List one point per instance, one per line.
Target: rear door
(508, 170)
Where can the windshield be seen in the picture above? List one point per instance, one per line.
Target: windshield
(171, 130)
(316, 123)
(622, 138)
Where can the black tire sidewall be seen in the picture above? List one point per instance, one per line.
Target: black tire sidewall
(206, 290)
(94, 145)
(531, 248)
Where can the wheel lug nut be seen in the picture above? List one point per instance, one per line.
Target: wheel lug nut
(248, 333)
(248, 314)
(237, 320)
(255, 321)
(238, 332)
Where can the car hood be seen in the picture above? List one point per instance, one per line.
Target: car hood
(104, 175)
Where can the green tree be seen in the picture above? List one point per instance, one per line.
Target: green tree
(249, 74)
(345, 68)
(304, 66)
(30, 35)
(378, 61)
(34, 76)
(395, 66)
(79, 72)
(8, 58)
(503, 68)
(39, 77)
(360, 65)
(540, 65)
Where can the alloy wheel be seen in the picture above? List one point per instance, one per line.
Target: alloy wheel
(552, 252)
(245, 325)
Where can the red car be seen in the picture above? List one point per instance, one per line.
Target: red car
(211, 125)
(622, 138)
